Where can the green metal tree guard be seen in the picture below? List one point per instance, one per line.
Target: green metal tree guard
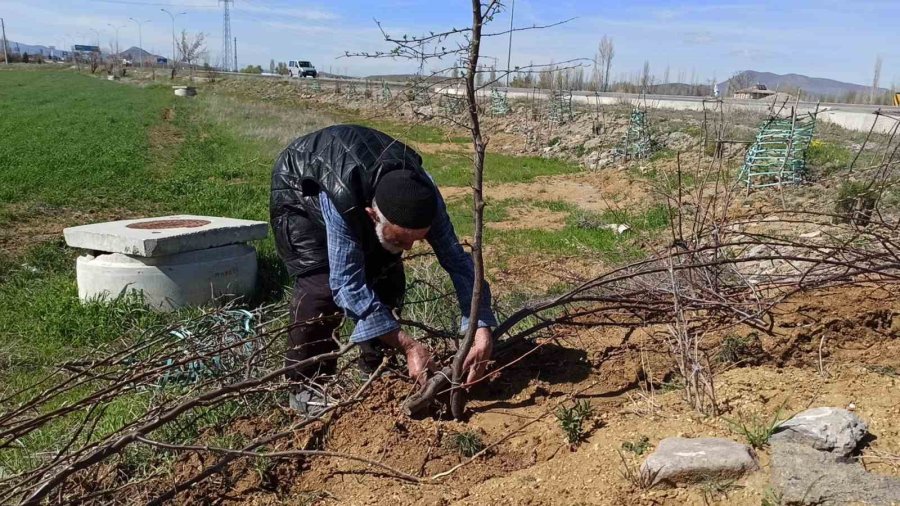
(778, 155)
(499, 103)
(452, 105)
(351, 91)
(638, 143)
(385, 92)
(561, 106)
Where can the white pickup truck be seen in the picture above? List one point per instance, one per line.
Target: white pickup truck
(301, 69)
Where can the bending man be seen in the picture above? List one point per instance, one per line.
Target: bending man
(346, 201)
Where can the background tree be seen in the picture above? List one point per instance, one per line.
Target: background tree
(738, 81)
(282, 69)
(191, 48)
(646, 78)
(272, 66)
(875, 80)
(606, 52)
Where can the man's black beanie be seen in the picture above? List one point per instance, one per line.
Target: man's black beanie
(406, 198)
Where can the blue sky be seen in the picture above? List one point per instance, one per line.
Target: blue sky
(821, 38)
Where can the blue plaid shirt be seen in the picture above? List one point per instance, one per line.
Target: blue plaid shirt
(360, 303)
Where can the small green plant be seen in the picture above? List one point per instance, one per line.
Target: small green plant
(771, 498)
(855, 202)
(572, 419)
(745, 350)
(639, 478)
(671, 385)
(638, 447)
(467, 443)
(714, 488)
(884, 370)
(757, 430)
(828, 156)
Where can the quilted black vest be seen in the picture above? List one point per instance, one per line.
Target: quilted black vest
(345, 162)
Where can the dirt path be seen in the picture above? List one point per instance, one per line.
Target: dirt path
(592, 191)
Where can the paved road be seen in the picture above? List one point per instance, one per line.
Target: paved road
(858, 117)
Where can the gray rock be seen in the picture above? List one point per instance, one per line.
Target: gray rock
(832, 430)
(593, 143)
(804, 475)
(681, 460)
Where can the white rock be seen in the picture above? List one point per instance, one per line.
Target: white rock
(618, 228)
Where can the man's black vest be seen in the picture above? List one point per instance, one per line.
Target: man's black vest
(346, 162)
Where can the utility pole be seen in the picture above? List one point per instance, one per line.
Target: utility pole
(235, 55)
(512, 13)
(174, 55)
(140, 39)
(5, 56)
(116, 28)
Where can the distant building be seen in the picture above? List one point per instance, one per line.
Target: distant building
(755, 92)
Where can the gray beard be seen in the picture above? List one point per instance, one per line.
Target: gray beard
(379, 231)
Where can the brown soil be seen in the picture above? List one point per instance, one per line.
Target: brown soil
(33, 224)
(591, 191)
(530, 217)
(530, 462)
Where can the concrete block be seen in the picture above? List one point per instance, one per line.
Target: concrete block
(169, 282)
(166, 235)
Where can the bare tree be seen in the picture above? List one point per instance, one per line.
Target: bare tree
(646, 77)
(607, 50)
(739, 81)
(875, 79)
(191, 48)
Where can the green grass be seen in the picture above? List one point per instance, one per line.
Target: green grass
(584, 230)
(452, 169)
(74, 140)
(828, 156)
(466, 443)
(755, 429)
(416, 133)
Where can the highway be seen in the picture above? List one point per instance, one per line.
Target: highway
(858, 117)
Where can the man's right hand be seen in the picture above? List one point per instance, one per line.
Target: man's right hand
(418, 358)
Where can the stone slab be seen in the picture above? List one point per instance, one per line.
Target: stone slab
(683, 460)
(803, 475)
(165, 235)
(833, 430)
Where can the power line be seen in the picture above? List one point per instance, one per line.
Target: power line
(156, 4)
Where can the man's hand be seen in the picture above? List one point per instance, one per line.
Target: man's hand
(418, 359)
(479, 355)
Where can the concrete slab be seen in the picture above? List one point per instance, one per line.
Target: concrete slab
(165, 235)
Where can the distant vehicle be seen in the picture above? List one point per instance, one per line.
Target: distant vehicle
(302, 69)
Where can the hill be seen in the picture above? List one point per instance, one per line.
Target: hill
(135, 54)
(813, 86)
